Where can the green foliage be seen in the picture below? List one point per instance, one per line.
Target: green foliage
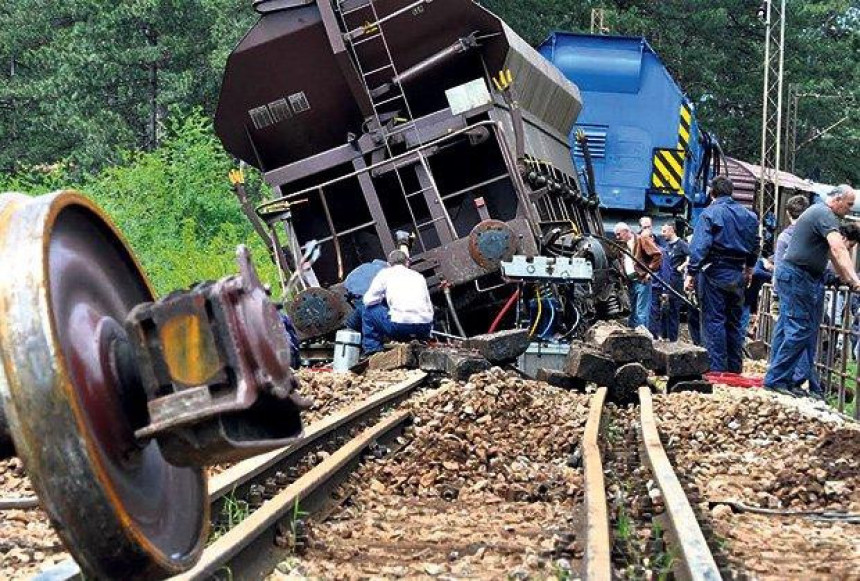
(81, 80)
(114, 97)
(233, 512)
(173, 204)
(84, 79)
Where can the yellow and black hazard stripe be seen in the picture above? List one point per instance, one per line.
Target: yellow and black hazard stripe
(684, 126)
(668, 173)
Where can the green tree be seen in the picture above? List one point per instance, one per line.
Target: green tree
(87, 78)
(173, 204)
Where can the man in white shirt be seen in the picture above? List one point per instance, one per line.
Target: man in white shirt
(397, 305)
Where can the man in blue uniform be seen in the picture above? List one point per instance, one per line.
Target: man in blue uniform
(723, 252)
(678, 252)
(658, 319)
(799, 281)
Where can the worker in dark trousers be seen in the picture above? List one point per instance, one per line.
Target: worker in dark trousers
(799, 280)
(805, 368)
(677, 254)
(396, 306)
(694, 321)
(723, 252)
(658, 319)
(356, 284)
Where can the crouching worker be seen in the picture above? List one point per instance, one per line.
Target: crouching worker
(396, 306)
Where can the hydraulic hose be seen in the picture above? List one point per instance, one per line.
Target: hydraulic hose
(497, 321)
(551, 319)
(539, 312)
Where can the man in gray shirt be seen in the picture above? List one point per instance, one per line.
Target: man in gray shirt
(799, 281)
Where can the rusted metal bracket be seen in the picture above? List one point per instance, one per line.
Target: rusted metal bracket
(214, 364)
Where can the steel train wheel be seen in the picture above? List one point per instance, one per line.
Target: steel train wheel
(68, 282)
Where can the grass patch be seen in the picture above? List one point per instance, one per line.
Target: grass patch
(663, 561)
(233, 511)
(851, 383)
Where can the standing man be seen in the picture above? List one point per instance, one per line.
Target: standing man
(794, 207)
(678, 253)
(396, 306)
(646, 228)
(657, 318)
(660, 297)
(723, 252)
(639, 279)
(799, 280)
(805, 368)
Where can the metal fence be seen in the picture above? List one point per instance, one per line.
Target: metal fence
(838, 352)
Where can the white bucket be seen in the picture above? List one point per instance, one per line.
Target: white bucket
(347, 350)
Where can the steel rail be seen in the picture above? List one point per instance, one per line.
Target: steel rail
(22, 503)
(696, 557)
(598, 564)
(239, 477)
(265, 465)
(244, 552)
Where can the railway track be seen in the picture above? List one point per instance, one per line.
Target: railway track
(608, 553)
(625, 492)
(263, 491)
(229, 558)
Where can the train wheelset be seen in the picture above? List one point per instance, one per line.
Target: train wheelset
(115, 400)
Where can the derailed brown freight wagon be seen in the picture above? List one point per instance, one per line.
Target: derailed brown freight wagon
(383, 121)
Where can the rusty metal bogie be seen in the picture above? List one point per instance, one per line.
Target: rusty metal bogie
(95, 371)
(214, 362)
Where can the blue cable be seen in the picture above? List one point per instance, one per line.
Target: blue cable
(551, 319)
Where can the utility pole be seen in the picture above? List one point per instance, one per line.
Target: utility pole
(598, 21)
(773, 14)
(791, 128)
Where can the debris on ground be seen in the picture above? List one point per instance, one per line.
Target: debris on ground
(27, 541)
(762, 451)
(482, 488)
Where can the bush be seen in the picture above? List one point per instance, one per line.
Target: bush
(174, 205)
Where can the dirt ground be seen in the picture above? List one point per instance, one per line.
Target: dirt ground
(482, 489)
(772, 453)
(27, 541)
